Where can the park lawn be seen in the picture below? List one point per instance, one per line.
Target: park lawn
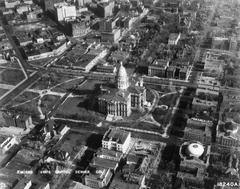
(11, 76)
(73, 140)
(71, 109)
(161, 116)
(169, 100)
(26, 96)
(90, 85)
(48, 102)
(3, 91)
(68, 85)
(49, 81)
(28, 108)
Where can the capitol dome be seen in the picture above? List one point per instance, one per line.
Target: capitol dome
(195, 149)
(122, 77)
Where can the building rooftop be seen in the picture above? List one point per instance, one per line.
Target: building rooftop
(9, 177)
(228, 129)
(160, 63)
(115, 95)
(22, 160)
(205, 81)
(98, 172)
(204, 103)
(111, 153)
(104, 163)
(116, 135)
(119, 183)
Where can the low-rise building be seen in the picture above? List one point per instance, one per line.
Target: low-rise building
(174, 38)
(208, 92)
(109, 154)
(228, 134)
(158, 68)
(105, 163)
(106, 68)
(202, 105)
(116, 139)
(23, 8)
(41, 51)
(170, 7)
(9, 4)
(80, 29)
(213, 64)
(8, 144)
(99, 177)
(17, 120)
(111, 37)
(23, 159)
(24, 38)
(198, 129)
(194, 162)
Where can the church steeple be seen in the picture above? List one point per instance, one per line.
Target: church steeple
(122, 78)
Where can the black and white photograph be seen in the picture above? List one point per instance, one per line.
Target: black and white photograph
(119, 94)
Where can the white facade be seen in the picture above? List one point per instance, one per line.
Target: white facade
(122, 78)
(98, 180)
(65, 12)
(30, 2)
(23, 9)
(9, 4)
(113, 143)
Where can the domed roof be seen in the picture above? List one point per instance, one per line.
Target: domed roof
(195, 149)
(122, 78)
(122, 71)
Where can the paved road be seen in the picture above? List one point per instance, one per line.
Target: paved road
(24, 65)
(19, 89)
(56, 106)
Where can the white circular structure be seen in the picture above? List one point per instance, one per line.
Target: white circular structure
(122, 78)
(195, 149)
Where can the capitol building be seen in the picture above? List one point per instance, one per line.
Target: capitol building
(125, 96)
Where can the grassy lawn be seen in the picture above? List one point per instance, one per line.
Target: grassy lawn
(169, 100)
(50, 80)
(161, 116)
(71, 109)
(30, 107)
(90, 85)
(24, 97)
(3, 91)
(68, 85)
(149, 96)
(75, 139)
(11, 76)
(48, 102)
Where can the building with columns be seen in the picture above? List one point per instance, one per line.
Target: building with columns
(126, 95)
